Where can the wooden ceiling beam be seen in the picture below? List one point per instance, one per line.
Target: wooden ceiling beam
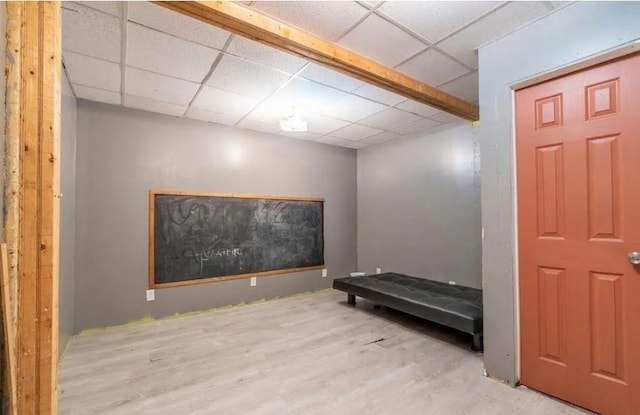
(248, 22)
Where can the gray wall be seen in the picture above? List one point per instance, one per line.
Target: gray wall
(67, 214)
(572, 33)
(123, 153)
(419, 206)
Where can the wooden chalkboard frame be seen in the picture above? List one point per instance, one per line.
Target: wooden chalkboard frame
(152, 195)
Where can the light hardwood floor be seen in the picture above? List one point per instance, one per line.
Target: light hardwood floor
(310, 354)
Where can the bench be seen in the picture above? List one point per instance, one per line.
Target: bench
(454, 306)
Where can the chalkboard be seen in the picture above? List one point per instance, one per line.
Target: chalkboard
(204, 237)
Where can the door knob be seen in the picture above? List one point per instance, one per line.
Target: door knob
(634, 258)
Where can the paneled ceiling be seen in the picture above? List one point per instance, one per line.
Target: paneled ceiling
(143, 56)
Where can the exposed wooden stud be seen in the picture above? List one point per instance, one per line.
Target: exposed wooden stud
(248, 22)
(49, 194)
(12, 160)
(33, 118)
(9, 332)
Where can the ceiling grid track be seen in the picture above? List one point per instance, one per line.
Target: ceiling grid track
(473, 21)
(214, 65)
(456, 78)
(370, 11)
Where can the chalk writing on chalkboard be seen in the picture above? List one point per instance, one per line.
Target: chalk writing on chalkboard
(200, 237)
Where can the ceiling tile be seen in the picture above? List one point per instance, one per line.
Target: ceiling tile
(416, 126)
(159, 87)
(92, 72)
(246, 78)
(176, 24)
(558, 4)
(99, 95)
(372, 3)
(352, 108)
(110, 7)
(445, 118)
(388, 118)
(463, 44)
(334, 141)
(158, 52)
(300, 135)
(432, 67)
(131, 101)
(326, 19)
(355, 132)
(381, 41)
(379, 95)
(357, 144)
(417, 108)
(433, 20)
(381, 138)
(465, 87)
(270, 112)
(215, 117)
(310, 94)
(265, 55)
(330, 77)
(270, 115)
(306, 96)
(318, 123)
(224, 102)
(91, 32)
(254, 125)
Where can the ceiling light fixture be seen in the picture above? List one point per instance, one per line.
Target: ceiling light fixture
(293, 123)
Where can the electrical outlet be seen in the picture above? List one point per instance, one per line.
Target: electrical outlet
(254, 281)
(324, 273)
(378, 270)
(452, 283)
(151, 295)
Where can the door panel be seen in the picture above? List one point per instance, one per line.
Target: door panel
(607, 344)
(578, 168)
(552, 286)
(603, 172)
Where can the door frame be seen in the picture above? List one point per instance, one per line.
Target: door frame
(580, 64)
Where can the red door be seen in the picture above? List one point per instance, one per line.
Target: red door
(578, 169)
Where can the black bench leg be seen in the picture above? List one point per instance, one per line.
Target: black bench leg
(477, 345)
(351, 299)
